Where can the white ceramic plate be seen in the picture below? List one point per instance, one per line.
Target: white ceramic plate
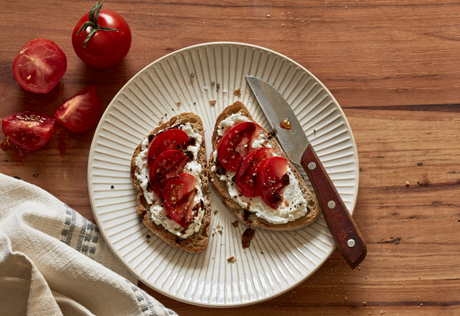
(276, 261)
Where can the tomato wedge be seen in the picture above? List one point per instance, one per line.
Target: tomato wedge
(178, 196)
(81, 112)
(167, 164)
(28, 130)
(170, 139)
(246, 177)
(235, 144)
(39, 66)
(272, 180)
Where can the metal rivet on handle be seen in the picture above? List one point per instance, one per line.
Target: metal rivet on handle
(312, 166)
(351, 243)
(331, 204)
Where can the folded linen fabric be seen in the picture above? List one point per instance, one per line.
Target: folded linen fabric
(53, 261)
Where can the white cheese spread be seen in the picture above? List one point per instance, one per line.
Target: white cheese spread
(296, 206)
(156, 212)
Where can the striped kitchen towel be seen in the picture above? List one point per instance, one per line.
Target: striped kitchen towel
(53, 261)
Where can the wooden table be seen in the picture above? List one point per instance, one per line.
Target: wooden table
(394, 68)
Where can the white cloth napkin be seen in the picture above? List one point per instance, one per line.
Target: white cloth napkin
(53, 261)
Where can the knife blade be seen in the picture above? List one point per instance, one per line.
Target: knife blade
(295, 144)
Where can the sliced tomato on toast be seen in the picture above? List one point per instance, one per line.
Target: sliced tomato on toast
(178, 196)
(272, 180)
(166, 165)
(169, 139)
(236, 143)
(246, 177)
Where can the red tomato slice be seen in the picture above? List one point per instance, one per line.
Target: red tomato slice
(167, 164)
(272, 180)
(170, 139)
(235, 144)
(39, 66)
(81, 112)
(28, 130)
(246, 177)
(178, 196)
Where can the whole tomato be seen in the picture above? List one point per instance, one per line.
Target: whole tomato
(101, 38)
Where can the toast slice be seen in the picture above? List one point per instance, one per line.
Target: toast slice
(245, 216)
(198, 241)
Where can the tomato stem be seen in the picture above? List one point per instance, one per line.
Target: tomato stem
(92, 23)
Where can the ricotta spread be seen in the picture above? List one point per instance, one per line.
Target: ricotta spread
(156, 212)
(296, 206)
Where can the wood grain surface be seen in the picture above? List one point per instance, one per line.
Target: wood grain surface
(394, 68)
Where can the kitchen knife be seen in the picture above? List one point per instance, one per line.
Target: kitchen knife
(295, 144)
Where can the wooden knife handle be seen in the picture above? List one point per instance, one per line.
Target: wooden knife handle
(343, 228)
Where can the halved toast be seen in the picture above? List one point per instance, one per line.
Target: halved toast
(250, 218)
(198, 241)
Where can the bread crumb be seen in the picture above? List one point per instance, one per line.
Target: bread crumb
(160, 122)
(407, 183)
(212, 102)
(178, 103)
(421, 304)
(232, 259)
(364, 303)
(219, 228)
(235, 223)
(237, 92)
(268, 15)
(215, 212)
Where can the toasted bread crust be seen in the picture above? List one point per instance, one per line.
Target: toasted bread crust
(221, 186)
(199, 240)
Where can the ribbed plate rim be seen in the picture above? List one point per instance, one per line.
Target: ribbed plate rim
(96, 134)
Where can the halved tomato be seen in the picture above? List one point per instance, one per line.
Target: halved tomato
(178, 196)
(236, 143)
(272, 180)
(28, 130)
(246, 177)
(80, 112)
(167, 164)
(169, 139)
(39, 65)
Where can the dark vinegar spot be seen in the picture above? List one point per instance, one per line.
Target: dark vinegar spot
(248, 235)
